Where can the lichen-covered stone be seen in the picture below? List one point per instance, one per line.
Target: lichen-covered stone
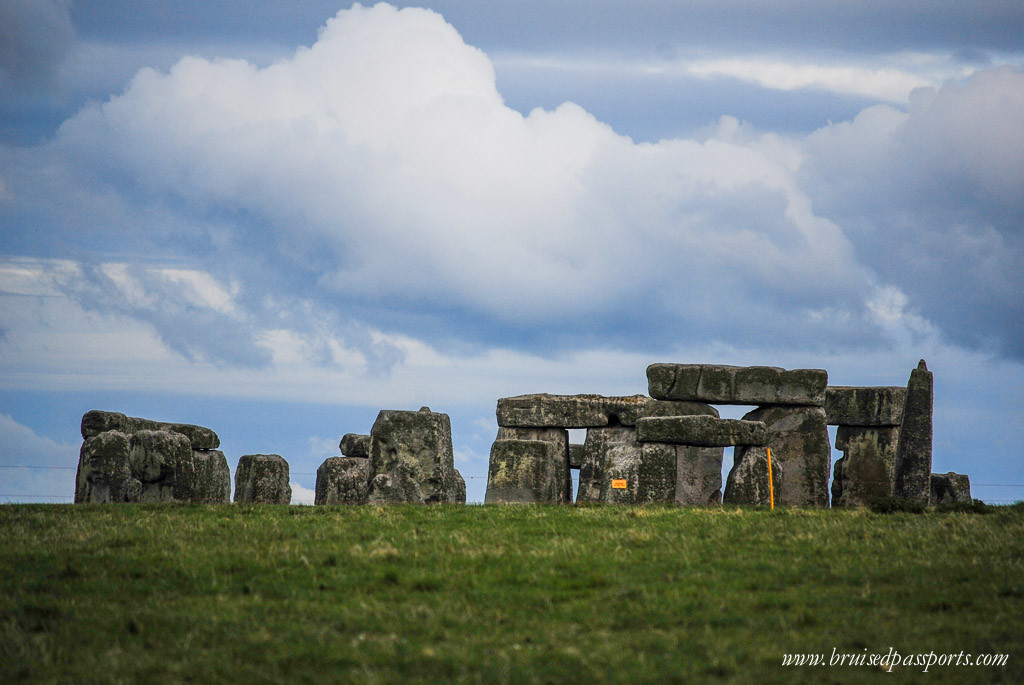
(416, 446)
(613, 455)
(559, 437)
(343, 480)
(868, 464)
(162, 462)
(576, 453)
(657, 476)
(914, 448)
(864, 406)
(526, 472)
(396, 487)
(699, 474)
(262, 479)
(748, 480)
(659, 408)
(801, 451)
(950, 488)
(96, 422)
(355, 445)
(570, 411)
(212, 477)
(104, 470)
(718, 384)
(700, 430)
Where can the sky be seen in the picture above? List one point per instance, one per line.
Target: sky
(276, 220)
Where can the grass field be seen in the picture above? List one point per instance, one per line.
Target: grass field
(168, 593)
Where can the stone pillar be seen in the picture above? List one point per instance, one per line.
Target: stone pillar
(104, 470)
(914, 450)
(213, 477)
(262, 479)
(610, 453)
(559, 439)
(163, 463)
(525, 472)
(801, 453)
(343, 480)
(867, 467)
(699, 475)
(748, 480)
(411, 458)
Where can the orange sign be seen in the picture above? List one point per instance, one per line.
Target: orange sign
(618, 483)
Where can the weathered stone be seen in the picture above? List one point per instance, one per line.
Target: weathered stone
(699, 474)
(914, 449)
(262, 479)
(213, 477)
(458, 488)
(868, 464)
(416, 446)
(559, 437)
(162, 461)
(104, 470)
(356, 446)
(798, 438)
(658, 474)
(570, 411)
(96, 422)
(617, 468)
(700, 431)
(658, 408)
(343, 480)
(576, 453)
(527, 472)
(950, 488)
(716, 384)
(864, 406)
(396, 487)
(748, 480)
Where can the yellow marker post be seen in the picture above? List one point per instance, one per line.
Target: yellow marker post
(771, 486)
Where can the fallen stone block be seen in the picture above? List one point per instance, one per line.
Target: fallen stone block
(864, 406)
(950, 488)
(96, 422)
(104, 470)
(354, 445)
(699, 474)
(343, 480)
(212, 477)
(162, 462)
(526, 472)
(569, 411)
(262, 479)
(716, 384)
(801, 451)
(416, 446)
(914, 448)
(701, 431)
(747, 482)
(867, 468)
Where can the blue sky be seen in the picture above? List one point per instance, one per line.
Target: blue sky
(276, 221)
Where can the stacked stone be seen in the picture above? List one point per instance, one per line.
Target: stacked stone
(791, 409)
(345, 479)
(128, 459)
(262, 479)
(868, 420)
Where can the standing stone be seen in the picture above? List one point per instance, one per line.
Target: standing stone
(914, 450)
(699, 474)
(559, 438)
(343, 480)
(801, 452)
(213, 477)
(611, 454)
(262, 479)
(950, 488)
(353, 445)
(104, 470)
(411, 458)
(658, 473)
(526, 472)
(576, 453)
(718, 384)
(162, 461)
(866, 469)
(748, 480)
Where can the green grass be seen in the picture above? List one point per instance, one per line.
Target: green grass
(168, 593)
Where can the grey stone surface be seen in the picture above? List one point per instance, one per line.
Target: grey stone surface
(559, 437)
(576, 453)
(262, 479)
(950, 488)
(801, 451)
(613, 454)
(864, 406)
(867, 467)
(659, 408)
(914, 448)
(212, 477)
(699, 474)
(162, 462)
(526, 472)
(413, 446)
(569, 411)
(355, 445)
(701, 431)
(748, 480)
(96, 422)
(717, 384)
(343, 480)
(104, 470)
(658, 473)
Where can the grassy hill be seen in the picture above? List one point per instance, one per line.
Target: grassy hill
(150, 593)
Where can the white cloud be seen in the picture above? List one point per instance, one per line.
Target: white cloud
(302, 495)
